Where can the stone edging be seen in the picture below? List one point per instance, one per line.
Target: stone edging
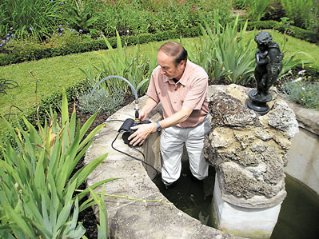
(308, 119)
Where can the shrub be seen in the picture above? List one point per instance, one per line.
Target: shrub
(304, 13)
(101, 101)
(303, 93)
(135, 67)
(19, 51)
(294, 31)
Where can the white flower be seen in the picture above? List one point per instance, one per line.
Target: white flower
(296, 80)
(301, 72)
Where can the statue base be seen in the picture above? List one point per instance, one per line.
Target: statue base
(258, 102)
(240, 221)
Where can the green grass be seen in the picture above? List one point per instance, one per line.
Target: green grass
(48, 76)
(39, 79)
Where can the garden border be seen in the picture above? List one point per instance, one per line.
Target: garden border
(99, 44)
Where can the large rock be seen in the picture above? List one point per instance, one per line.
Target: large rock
(249, 150)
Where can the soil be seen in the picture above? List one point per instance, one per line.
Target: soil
(87, 217)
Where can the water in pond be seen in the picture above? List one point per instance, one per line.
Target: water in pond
(298, 218)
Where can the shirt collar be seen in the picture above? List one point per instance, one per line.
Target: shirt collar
(183, 79)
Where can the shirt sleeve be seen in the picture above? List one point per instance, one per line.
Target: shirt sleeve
(151, 91)
(197, 94)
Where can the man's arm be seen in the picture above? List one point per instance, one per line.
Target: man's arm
(149, 105)
(179, 117)
(143, 131)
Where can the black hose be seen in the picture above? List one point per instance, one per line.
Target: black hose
(141, 160)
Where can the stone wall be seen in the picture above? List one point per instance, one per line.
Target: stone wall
(303, 156)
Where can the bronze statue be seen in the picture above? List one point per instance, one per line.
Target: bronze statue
(268, 66)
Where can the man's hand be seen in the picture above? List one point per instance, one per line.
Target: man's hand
(141, 133)
(142, 115)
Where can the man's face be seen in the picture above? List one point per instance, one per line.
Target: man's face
(168, 67)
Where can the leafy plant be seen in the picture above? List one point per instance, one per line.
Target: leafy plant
(304, 13)
(293, 61)
(133, 66)
(36, 18)
(296, 59)
(39, 181)
(224, 54)
(239, 4)
(257, 9)
(101, 101)
(81, 15)
(303, 93)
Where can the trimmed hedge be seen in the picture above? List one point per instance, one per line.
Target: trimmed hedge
(293, 31)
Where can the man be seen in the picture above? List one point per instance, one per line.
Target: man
(181, 87)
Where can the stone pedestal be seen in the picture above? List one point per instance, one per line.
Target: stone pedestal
(249, 153)
(242, 221)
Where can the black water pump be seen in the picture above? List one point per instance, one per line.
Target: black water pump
(126, 128)
(128, 123)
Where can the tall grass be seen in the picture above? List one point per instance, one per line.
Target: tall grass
(257, 9)
(37, 18)
(228, 56)
(224, 54)
(80, 15)
(304, 13)
(39, 181)
(132, 65)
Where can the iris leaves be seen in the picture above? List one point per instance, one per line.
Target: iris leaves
(38, 180)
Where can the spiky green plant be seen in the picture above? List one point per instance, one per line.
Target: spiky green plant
(134, 66)
(39, 181)
(224, 54)
(81, 15)
(131, 64)
(37, 18)
(257, 9)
